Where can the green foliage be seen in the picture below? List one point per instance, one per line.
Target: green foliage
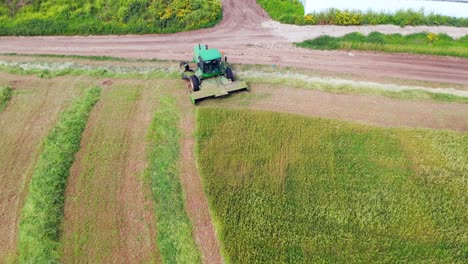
(292, 12)
(285, 11)
(47, 17)
(290, 189)
(419, 43)
(5, 96)
(43, 210)
(175, 240)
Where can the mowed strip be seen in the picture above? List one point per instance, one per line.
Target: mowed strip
(24, 123)
(108, 210)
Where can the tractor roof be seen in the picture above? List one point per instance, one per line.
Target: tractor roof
(207, 54)
(210, 54)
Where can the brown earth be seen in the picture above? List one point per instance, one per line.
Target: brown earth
(196, 203)
(247, 35)
(109, 213)
(32, 111)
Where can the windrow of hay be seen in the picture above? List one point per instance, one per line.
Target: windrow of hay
(43, 210)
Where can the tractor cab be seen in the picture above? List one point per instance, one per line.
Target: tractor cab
(209, 61)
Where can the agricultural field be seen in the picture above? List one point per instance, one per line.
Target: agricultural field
(38, 17)
(291, 189)
(106, 160)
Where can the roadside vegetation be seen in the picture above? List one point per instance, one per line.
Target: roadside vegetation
(42, 213)
(85, 17)
(175, 239)
(5, 96)
(292, 12)
(418, 43)
(291, 189)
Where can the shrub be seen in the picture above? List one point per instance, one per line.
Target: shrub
(5, 96)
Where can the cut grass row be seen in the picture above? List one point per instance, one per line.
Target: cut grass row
(418, 43)
(407, 94)
(108, 210)
(24, 124)
(330, 87)
(5, 96)
(290, 189)
(175, 240)
(43, 210)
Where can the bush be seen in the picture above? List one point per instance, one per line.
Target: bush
(43, 209)
(5, 96)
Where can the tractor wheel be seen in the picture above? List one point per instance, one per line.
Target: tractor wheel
(194, 83)
(229, 74)
(184, 66)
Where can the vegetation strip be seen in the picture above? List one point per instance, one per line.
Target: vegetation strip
(292, 12)
(5, 96)
(175, 239)
(43, 210)
(418, 43)
(48, 17)
(285, 188)
(350, 87)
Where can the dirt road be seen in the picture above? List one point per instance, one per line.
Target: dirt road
(247, 35)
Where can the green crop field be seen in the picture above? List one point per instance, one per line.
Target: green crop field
(290, 189)
(418, 43)
(47, 17)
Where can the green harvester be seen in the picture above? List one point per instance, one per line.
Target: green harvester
(212, 77)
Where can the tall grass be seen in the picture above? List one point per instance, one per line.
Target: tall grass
(175, 241)
(84, 17)
(43, 209)
(290, 189)
(5, 96)
(418, 43)
(292, 12)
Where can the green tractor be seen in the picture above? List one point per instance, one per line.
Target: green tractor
(212, 77)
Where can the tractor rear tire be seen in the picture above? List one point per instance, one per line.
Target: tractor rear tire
(194, 83)
(229, 74)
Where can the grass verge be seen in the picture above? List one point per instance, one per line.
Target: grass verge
(418, 43)
(5, 96)
(43, 209)
(292, 12)
(291, 189)
(175, 239)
